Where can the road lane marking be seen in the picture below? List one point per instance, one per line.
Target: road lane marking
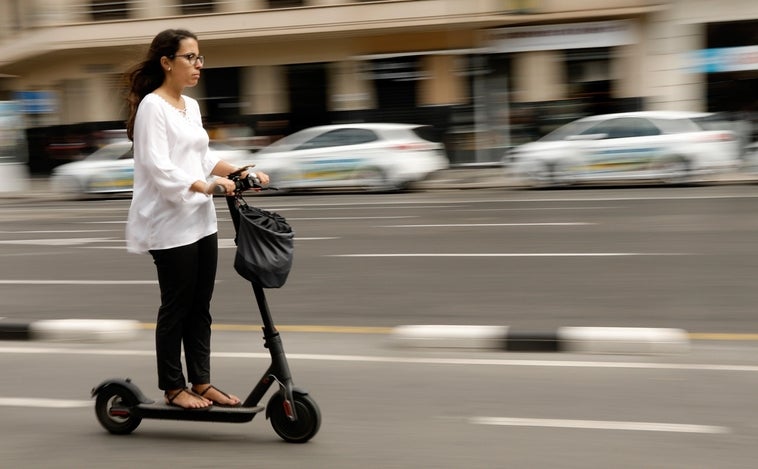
(400, 360)
(531, 209)
(223, 243)
(78, 282)
(599, 425)
(43, 403)
(58, 241)
(52, 231)
(517, 254)
(394, 217)
(476, 225)
(113, 222)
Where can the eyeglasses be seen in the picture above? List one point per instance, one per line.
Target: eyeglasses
(192, 58)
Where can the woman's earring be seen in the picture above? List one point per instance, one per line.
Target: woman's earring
(169, 69)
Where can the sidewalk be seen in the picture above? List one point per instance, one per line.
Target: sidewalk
(457, 178)
(38, 187)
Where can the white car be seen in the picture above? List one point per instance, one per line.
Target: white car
(663, 146)
(372, 156)
(110, 169)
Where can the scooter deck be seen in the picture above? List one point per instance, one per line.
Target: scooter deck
(160, 410)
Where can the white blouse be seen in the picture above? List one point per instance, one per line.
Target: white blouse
(170, 153)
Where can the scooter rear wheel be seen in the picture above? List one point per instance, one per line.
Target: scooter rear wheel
(113, 410)
(308, 418)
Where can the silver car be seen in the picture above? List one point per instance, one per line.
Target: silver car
(371, 156)
(110, 170)
(637, 146)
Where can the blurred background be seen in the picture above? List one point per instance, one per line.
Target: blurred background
(487, 75)
(484, 77)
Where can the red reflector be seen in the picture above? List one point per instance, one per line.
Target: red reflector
(287, 408)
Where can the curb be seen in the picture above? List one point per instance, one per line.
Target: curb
(80, 330)
(611, 340)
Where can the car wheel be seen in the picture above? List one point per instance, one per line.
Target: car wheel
(373, 179)
(67, 185)
(551, 174)
(674, 169)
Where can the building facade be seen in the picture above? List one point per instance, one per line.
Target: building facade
(487, 74)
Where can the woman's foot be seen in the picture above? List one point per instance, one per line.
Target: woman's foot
(215, 395)
(186, 399)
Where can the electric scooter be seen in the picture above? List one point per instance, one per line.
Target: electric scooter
(120, 405)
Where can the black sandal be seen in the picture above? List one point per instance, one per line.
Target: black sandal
(170, 400)
(210, 386)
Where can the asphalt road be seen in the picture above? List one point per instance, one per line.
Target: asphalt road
(660, 257)
(653, 257)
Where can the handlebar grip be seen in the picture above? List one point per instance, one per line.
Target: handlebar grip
(219, 190)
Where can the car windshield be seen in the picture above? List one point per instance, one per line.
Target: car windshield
(572, 128)
(110, 152)
(289, 142)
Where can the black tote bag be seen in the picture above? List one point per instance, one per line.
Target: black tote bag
(265, 246)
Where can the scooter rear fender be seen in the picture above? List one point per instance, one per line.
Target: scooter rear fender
(125, 384)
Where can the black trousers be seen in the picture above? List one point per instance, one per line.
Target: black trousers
(186, 276)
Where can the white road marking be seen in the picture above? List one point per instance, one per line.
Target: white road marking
(57, 241)
(518, 254)
(228, 243)
(116, 222)
(350, 218)
(448, 225)
(442, 202)
(78, 282)
(599, 425)
(36, 350)
(43, 403)
(52, 231)
(532, 209)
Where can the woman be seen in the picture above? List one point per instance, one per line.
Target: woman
(172, 215)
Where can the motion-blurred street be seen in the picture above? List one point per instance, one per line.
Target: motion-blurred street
(534, 260)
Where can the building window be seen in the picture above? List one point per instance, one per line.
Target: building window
(285, 3)
(104, 10)
(195, 7)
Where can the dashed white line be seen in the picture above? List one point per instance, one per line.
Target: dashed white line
(78, 282)
(57, 241)
(484, 225)
(43, 403)
(599, 425)
(516, 254)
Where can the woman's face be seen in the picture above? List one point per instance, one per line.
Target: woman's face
(186, 64)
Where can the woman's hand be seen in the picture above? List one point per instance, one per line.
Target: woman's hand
(227, 185)
(262, 177)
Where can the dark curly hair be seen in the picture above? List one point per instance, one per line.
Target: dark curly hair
(148, 75)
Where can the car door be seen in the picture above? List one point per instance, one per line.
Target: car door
(332, 158)
(619, 147)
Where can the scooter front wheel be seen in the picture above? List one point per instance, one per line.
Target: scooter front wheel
(113, 408)
(308, 418)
